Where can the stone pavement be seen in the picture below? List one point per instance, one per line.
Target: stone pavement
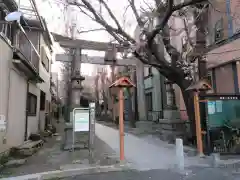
(160, 174)
(51, 157)
(145, 154)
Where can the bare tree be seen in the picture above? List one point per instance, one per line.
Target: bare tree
(153, 46)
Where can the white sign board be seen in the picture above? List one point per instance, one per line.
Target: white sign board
(211, 107)
(219, 106)
(81, 120)
(2, 123)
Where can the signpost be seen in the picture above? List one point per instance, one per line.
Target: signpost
(80, 123)
(119, 85)
(92, 128)
(84, 122)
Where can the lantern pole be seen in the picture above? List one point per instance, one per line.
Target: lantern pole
(121, 124)
(198, 124)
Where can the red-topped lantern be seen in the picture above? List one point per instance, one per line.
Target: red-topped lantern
(118, 85)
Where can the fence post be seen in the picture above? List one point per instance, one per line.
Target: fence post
(179, 154)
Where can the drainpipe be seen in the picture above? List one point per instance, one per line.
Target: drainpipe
(26, 118)
(8, 99)
(162, 95)
(230, 23)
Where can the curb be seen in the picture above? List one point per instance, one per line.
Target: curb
(70, 172)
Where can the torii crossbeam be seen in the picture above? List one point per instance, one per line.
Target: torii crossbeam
(67, 42)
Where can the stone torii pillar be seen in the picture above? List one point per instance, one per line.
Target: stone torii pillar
(76, 79)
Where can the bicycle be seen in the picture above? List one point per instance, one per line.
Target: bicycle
(229, 139)
(234, 141)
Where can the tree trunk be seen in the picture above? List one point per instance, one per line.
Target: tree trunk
(132, 120)
(189, 103)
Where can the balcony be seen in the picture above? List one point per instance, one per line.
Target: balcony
(6, 32)
(25, 57)
(21, 44)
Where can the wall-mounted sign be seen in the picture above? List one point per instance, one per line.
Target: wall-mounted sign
(219, 106)
(211, 107)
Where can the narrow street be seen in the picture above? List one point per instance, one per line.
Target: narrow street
(146, 159)
(200, 174)
(144, 154)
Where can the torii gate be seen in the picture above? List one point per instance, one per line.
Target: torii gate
(66, 42)
(79, 44)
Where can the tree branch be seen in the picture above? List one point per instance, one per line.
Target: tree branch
(91, 30)
(187, 3)
(139, 21)
(108, 27)
(158, 66)
(170, 9)
(163, 22)
(110, 13)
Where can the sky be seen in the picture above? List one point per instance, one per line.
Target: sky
(58, 15)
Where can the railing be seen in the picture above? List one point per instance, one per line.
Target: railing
(154, 115)
(6, 30)
(28, 50)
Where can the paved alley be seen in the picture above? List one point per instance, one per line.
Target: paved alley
(144, 154)
(51, 157)
(201, 174)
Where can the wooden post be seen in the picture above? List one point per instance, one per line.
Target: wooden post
(198, 124)
(121, 124)
(120, 84)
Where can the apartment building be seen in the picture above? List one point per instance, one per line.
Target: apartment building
(25, 63)
(223, 44)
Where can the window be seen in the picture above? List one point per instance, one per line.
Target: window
(32, 104)
(219, 30)
(44, 59)
(149, 101)
(147, 71)
(42, 101)
(209, 78)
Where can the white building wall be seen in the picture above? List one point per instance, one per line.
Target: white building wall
(13, 95)
(17, 109)
(13, 88)
(157, 97)
(45, 86)
(6, 53)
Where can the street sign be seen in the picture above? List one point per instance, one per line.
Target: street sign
(81, 120)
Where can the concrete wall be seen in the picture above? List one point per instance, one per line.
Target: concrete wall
(45, 75)
(153, 84)
(13, 94)
(224, 79)
(13, 87)
(235, 7)
(214, 16)
(17, 109)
